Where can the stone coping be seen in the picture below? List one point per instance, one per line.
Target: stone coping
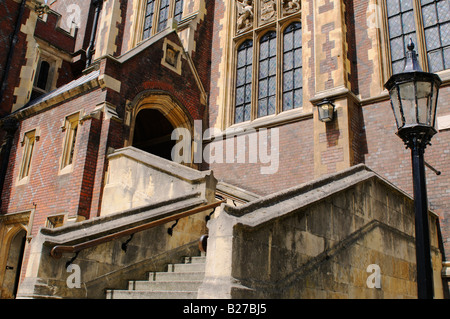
(181, 171)
(104, 225)
(294, 198)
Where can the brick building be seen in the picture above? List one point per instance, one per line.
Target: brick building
(91, 88)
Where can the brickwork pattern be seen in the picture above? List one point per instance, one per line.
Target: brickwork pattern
(386, 154)
(47, 191)
(296, 162)
(8, 19)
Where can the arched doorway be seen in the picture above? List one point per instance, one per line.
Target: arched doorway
(14, 265)
(154, 116)
(152, 133)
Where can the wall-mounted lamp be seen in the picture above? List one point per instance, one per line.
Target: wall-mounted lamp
(326, 110)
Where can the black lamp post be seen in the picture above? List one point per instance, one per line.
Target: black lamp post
(414, 95)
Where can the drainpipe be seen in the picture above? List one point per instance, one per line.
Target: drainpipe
(98, 7)
(10, 126)
(14, 40)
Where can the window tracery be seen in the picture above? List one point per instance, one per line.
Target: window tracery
(268, 58)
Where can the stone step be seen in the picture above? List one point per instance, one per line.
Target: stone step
(196, 267)
(181, 281)
(164, 285)
(176, 276)
(195, 260)
(135, 294)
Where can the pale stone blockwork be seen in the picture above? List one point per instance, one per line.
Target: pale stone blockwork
(318, 241)
(136, 178)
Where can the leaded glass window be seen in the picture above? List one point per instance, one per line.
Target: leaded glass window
(267, 74)
(161, 11)
(148, 22)
(292, 67)
(436, 23)
(244, 82)
(269, 49)
(404, 23)
(163, 14)
(178, 10)
(401, 24)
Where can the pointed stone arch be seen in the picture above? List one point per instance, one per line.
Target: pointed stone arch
(152, 116)
(12, 251)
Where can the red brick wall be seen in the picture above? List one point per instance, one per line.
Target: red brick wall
(8, 17)
(386, 155)
(50, 32)
(67, 11)
(359, 45)
(154, 76)
(296, 162)
(50, 192)
(203, 43)
(7, 26)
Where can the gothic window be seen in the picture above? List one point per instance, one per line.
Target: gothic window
(292, 67)
(436, 22)
(148, 22)
(28, 143)
(244, 82)
(419, 19)
(158, 13)
(268, 56)
(267, 74)
(178, 10)
(163, 14)
(42, 78)
(71, 128)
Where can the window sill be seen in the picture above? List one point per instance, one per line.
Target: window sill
(269, 121)
(445, 76)
(66, 170)
(23, 181)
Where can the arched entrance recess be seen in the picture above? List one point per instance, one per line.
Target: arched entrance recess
(16, 239)
(153, 118)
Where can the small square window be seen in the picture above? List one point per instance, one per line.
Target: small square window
(55, 221)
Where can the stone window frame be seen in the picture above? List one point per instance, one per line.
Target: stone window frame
(172, 14)
(419, 40)
(70, 127)
(172, 56)
(52, 76)
(55, 221)
(28, 144)
(255, 33)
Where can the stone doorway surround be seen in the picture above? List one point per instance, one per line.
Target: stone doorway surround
(13, 226)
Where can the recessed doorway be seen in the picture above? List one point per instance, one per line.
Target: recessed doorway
(152, 133)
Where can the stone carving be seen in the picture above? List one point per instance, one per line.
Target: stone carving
(172, 56)
(245, 15)
(268, 10)
(291, 6)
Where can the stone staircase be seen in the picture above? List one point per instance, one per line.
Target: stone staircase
(180, 281)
